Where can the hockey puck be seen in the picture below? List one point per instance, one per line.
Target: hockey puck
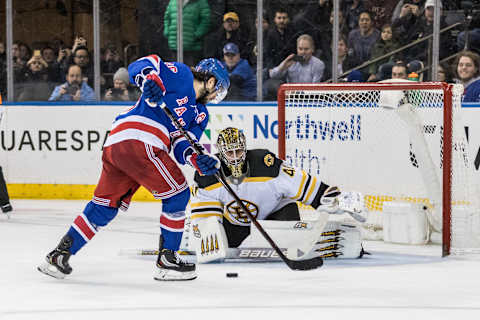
(232, 275)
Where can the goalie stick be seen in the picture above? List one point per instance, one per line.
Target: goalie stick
(307, 264)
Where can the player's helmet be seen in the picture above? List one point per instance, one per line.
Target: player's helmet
(213, 67)
(232, 146)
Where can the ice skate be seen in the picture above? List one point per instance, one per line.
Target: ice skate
(171, 268)
(6, 208)
(56, 264)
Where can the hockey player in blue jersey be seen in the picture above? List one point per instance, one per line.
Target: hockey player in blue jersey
(136, 153)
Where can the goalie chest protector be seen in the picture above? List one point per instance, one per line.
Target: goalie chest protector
(261, 163)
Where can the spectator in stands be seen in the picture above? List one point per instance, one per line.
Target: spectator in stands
(112, 61)
(345, 61)
(74, 89)
(352, 13)
(381, 10)
(423, 27)
(279, 41)
(445, 73)
(473, 35)
(362, 39)
(19, 63)
(467, 73)
(196, 23)
(36, 86)
(302, 67)
(81, 57)
(252, 51)
(314, 18)
(323, 38)
(63, 61)
(25, 53)
(243, 83)
(79, 41)
(384, 45)
(122, 90)
(399, 71)
(53, 69)
(408, 9)
(229, 32)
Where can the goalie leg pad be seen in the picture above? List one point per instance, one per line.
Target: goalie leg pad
(208, 239)
(340, 240)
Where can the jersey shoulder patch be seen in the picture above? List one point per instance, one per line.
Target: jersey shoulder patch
(263, 163)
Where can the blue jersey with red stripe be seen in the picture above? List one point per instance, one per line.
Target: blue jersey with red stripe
(149, 123)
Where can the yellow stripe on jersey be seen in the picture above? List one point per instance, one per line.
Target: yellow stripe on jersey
(302, 183)
(312, 187)
(213, 186)
(257, 179)
(206, 203)
(206, 215)
(248, 179)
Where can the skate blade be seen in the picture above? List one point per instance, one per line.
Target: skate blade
(172, 275)
(50, 270)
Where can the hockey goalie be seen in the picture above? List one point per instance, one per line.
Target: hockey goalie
(219, 229)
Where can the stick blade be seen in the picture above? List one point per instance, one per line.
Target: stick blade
(304, 265)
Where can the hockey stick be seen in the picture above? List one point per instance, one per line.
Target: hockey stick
(307, 264)
(256, 253)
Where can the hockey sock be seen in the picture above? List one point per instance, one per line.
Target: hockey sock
(172, 219)
(85, 226)
(171, 227)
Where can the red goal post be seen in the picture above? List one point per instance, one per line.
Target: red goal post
(400, 141)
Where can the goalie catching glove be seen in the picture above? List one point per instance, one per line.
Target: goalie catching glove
(205, 165)
(336, 202)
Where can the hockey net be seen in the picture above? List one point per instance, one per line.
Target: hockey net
(401, 142)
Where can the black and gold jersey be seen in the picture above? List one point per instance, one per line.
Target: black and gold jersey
(269, 185)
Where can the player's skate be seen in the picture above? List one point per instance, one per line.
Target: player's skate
(6, 208)
(56, 264)
(171, 268)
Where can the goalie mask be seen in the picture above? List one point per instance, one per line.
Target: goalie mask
(232, 146)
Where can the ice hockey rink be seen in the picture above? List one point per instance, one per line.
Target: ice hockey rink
(393, 283)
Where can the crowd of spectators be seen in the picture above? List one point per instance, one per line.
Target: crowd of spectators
(297, 47)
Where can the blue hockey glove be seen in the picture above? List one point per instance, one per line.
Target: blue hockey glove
(205, 164)
(153, 89)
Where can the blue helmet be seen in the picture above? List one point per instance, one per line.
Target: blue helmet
(213, 67)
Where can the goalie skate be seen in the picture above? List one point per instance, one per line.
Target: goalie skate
(171, 268)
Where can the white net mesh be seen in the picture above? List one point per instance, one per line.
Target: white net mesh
(387, 142)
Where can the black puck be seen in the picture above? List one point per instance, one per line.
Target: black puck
(232, 274)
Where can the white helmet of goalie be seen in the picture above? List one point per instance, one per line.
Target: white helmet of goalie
(232, 147)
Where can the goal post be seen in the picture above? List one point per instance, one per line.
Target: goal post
(397, 142)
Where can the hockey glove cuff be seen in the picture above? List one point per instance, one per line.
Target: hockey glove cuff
(204, 164)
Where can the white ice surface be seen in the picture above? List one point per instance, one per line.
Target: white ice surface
(393, 283)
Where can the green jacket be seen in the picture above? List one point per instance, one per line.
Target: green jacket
(379, 49)
(196, 23)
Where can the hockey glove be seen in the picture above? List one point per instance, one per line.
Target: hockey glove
(329, 200)
(153, 89)
(335, 202)
(205, 164)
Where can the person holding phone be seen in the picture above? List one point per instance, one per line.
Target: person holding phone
(121, 90)
(74, 89)
(302, 67)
